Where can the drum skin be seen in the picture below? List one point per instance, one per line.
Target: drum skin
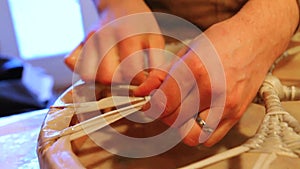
(85, 153)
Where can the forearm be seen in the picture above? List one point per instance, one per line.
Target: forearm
(271, 24)
(256, 35)
(282, 14)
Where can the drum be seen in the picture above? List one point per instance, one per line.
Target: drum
(242, 147)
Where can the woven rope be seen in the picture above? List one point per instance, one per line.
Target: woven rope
(279, 133)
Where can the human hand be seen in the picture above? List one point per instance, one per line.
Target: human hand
(124, 30)
(218, 77)
(246, 46)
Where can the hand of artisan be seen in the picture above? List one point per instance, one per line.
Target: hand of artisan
(218, 75)
(120, 35)
(222, 87)
(245, 54)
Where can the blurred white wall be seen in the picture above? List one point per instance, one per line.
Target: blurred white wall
(53, 65)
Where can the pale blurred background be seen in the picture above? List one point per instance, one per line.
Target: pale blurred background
(37, 35)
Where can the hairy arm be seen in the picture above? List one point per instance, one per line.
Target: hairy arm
(247, 44)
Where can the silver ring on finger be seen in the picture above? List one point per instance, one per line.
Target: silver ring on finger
(204, 125)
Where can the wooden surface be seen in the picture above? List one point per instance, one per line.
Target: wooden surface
(18, 139)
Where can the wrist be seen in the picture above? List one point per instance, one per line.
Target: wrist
(270, 23)
(270, 17)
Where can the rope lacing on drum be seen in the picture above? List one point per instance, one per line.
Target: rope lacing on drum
(279, 133)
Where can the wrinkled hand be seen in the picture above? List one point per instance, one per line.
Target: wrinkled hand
(218, 77)
(125, 29)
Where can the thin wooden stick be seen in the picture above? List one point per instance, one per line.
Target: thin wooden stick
(264, 161)
(112, 101)
(105, 120)
(218, 157)
(99, 122)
